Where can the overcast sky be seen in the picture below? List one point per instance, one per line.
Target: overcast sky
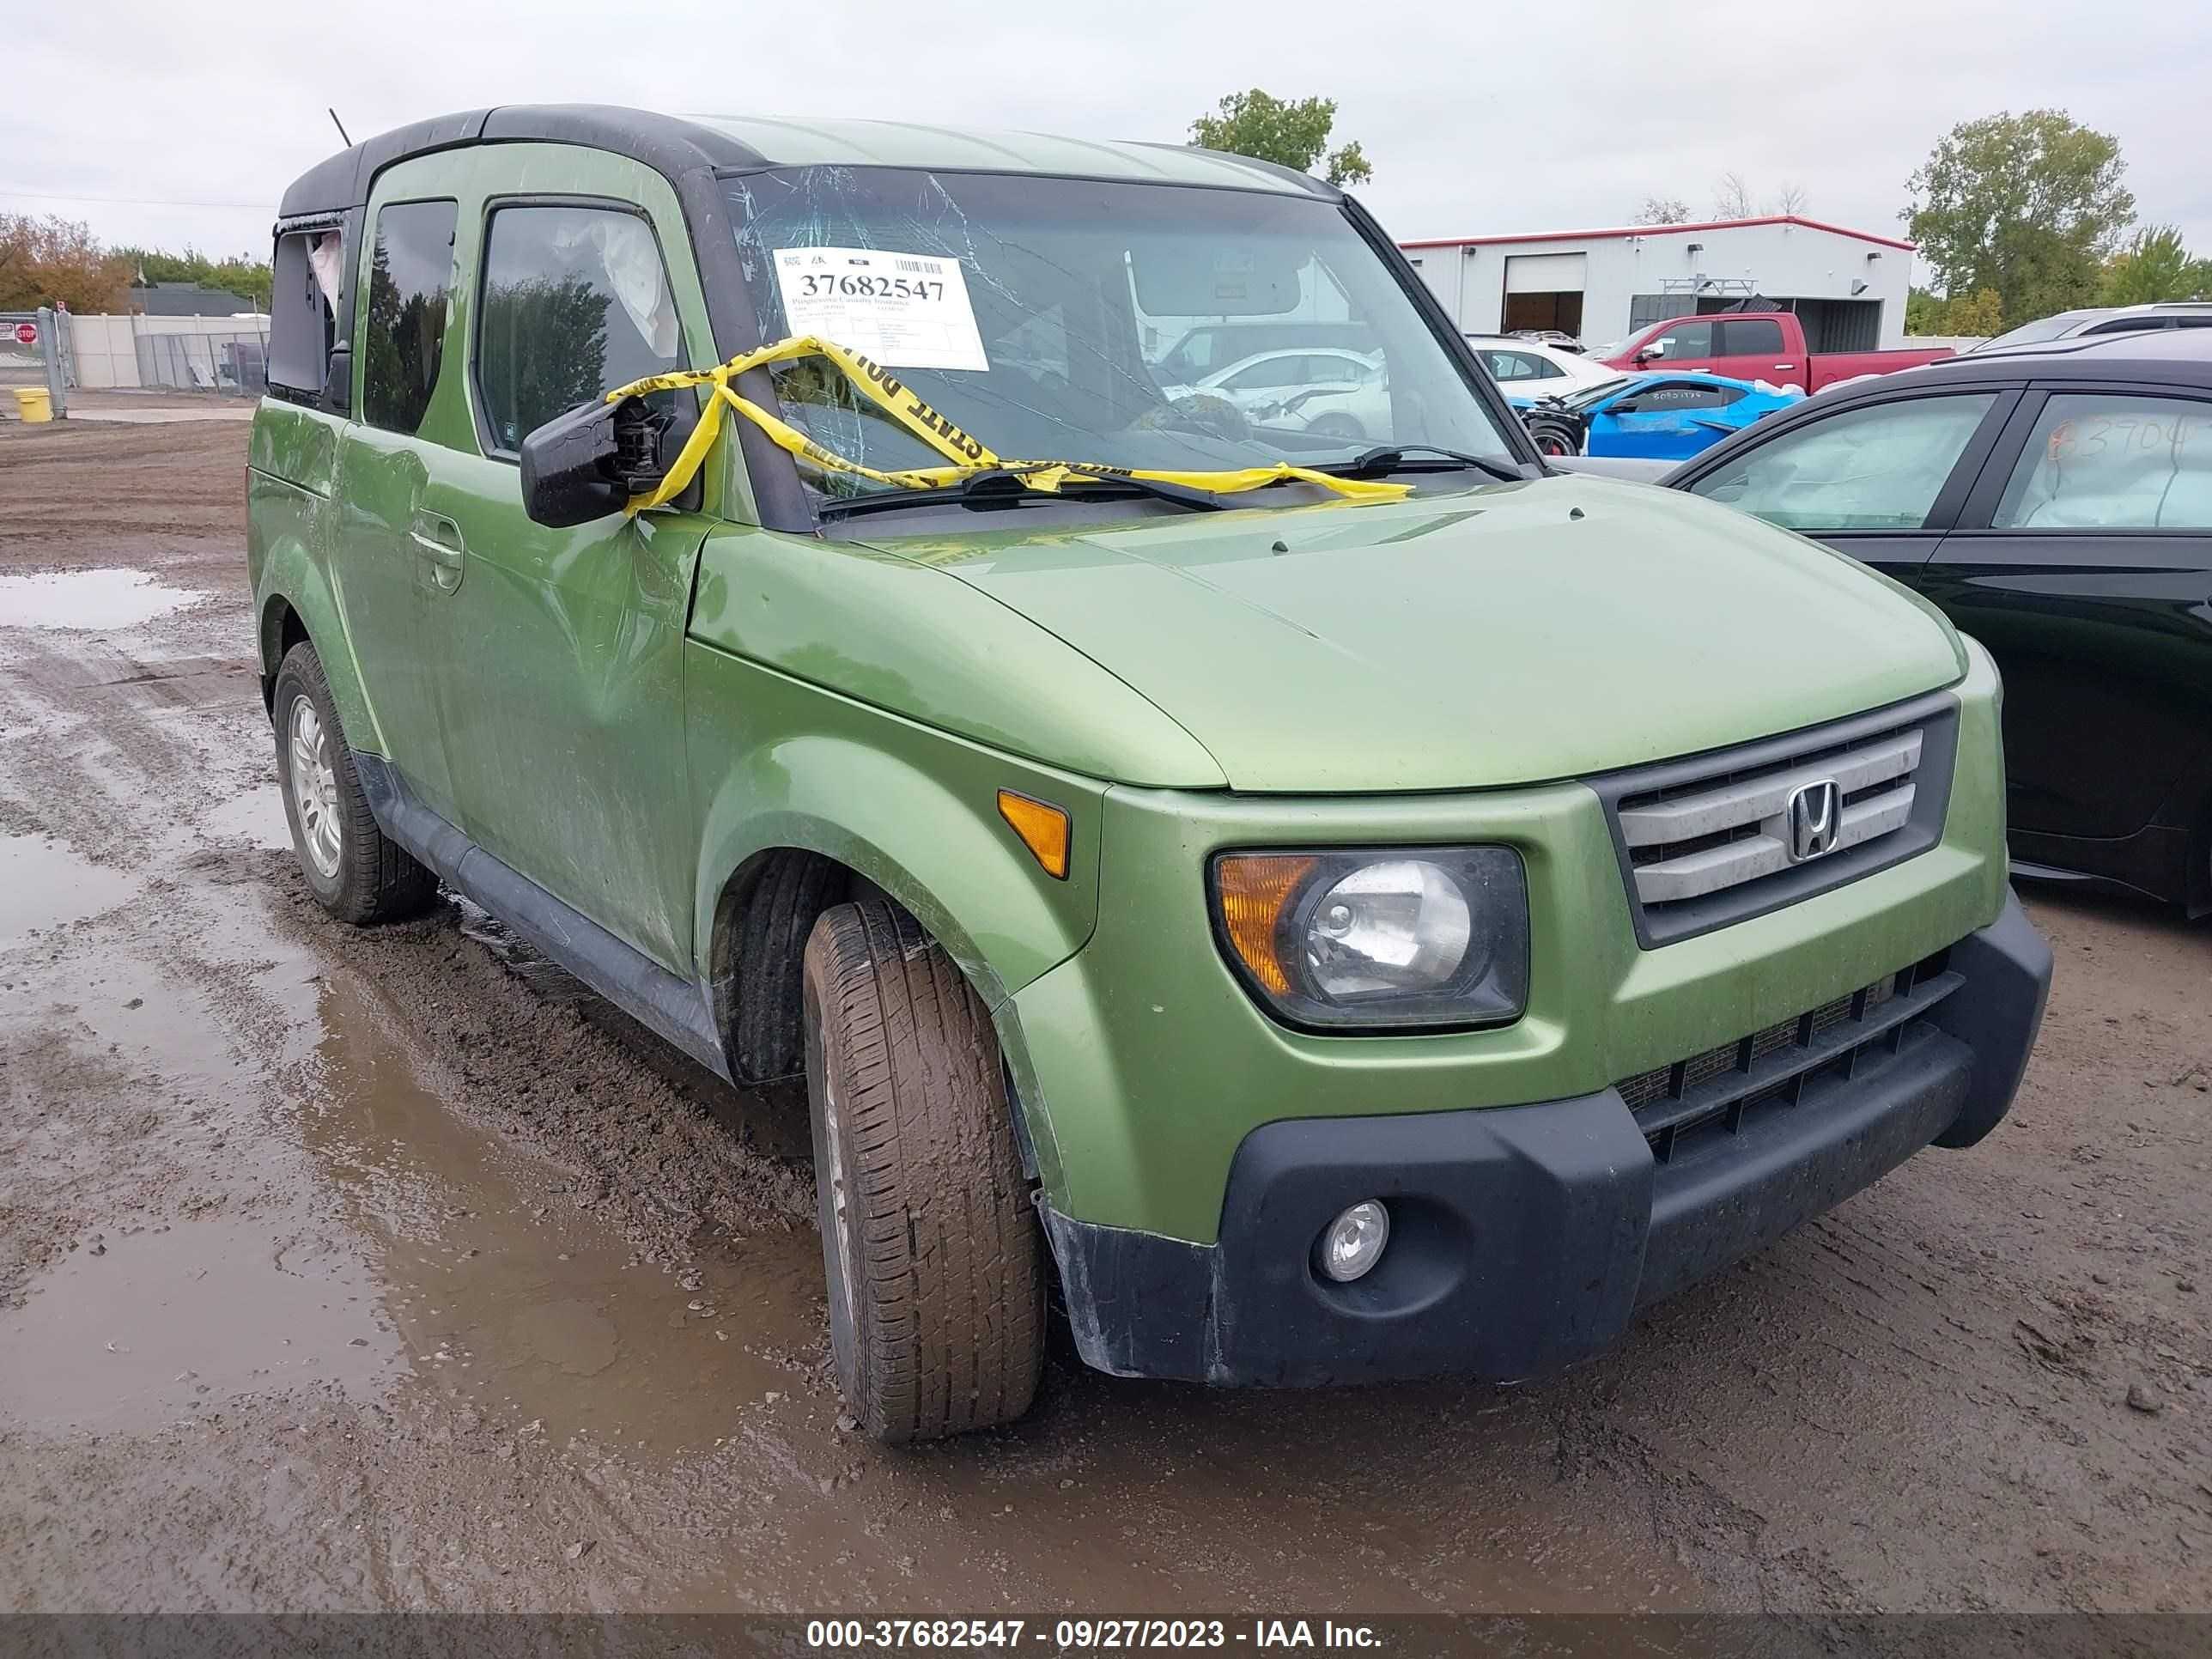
(168, 123)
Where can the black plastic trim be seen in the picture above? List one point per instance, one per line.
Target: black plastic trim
(670, 1007)
(1935, 713)
(1695, 1105)
(1525, 1237)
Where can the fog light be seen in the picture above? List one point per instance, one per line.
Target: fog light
(1353, 1243)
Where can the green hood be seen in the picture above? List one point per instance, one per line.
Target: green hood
(1502, 635)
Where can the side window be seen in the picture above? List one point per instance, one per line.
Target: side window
(302, 310)
(1762, 338)
(1868, 469)
(576, 302)
(1513, 366)
(2103, 460)
(1690, 340)
(410, 275)
(1686, 394)
(1268, 371)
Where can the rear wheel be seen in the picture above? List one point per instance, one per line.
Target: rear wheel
(929, 1241)
(353, 870)
(1336, 426)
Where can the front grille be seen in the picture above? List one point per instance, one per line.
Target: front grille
(1712, 1091)
(1706, 841)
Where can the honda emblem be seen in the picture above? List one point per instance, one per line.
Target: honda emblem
(1814, 817)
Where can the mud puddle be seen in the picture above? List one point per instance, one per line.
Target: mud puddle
(134, 1332)
(501, 1296)
(103, 598)
(44, 884)
(256, 817)
(334, 1223)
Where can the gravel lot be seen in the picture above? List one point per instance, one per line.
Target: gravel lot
(359, 1270)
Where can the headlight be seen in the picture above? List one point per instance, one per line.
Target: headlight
(1380, 939)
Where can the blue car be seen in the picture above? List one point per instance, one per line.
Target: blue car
(1661, 417)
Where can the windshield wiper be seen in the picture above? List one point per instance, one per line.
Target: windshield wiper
(1386, 459)
(997, 487)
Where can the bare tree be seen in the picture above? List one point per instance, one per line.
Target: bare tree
(1662, 210)
(1731, 197)
(1792, 199)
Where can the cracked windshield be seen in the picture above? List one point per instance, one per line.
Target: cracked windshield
(1145, 327)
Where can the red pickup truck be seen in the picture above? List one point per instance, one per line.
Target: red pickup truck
(1754, 345)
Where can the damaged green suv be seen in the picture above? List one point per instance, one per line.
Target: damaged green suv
(1061, 646)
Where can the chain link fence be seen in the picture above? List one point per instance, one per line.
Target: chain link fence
(22, 362)
(234, 361)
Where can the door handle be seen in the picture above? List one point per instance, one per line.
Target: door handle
(1785, 365)
(437, 539)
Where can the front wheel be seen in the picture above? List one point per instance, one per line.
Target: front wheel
(1554, 439)
(929, 1241)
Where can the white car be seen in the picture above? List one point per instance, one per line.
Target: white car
(1527, 368)
(1267, 379)
(1357, 409)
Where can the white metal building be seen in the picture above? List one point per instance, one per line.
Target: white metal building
(1847, 286)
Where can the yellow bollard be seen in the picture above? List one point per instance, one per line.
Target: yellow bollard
(34, 403)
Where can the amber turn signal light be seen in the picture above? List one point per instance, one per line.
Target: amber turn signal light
(1043, 829)
(1254, 889)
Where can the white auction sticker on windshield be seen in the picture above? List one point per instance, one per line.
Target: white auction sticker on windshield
(902, 310)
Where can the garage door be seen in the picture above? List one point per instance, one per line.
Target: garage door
(1545, 273)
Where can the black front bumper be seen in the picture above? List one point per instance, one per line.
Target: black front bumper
(1524, 1237)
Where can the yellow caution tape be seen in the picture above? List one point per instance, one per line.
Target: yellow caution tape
(964, 453)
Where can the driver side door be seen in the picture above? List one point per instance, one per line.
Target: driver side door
(564, 689)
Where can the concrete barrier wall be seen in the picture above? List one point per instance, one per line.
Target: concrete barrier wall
(107, 346)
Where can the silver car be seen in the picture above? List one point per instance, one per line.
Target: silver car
(2106, 319)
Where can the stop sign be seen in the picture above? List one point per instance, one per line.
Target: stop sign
(27, 334)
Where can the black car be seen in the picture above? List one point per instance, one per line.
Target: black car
(2056, 500)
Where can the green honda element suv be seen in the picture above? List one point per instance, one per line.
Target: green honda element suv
(1249, 857)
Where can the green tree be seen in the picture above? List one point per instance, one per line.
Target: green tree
(240, 274)
(2027, 205)
(55, 261)
(1976, 315)
(1662, 210)
(1291, 133)
(2155, 265)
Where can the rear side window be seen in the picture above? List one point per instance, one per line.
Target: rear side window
(576, 302)
(1685, 394)
(409, 277)
(302, 308)
(2104, 461)
(1762, 338)
(1520, 365)
(1866, 469)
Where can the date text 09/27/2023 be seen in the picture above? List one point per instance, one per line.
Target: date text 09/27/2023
(1086, 1634)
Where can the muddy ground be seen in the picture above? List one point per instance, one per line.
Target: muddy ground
(345, 1269)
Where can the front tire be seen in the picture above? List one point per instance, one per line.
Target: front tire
(929, 1241)
(1554, 439)
(354, 873)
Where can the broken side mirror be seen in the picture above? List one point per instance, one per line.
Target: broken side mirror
(337, 381)
(589, 462)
